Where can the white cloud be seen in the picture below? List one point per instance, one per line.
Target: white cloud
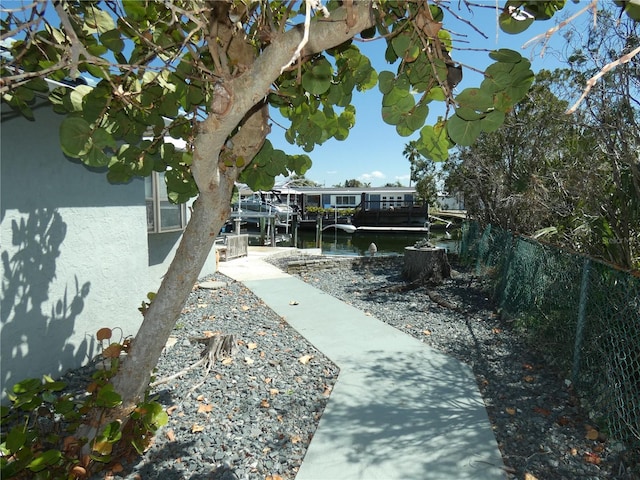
(377, 175)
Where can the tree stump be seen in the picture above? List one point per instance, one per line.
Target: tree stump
(426, 264)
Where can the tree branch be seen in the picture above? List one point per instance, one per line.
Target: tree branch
(593, 80)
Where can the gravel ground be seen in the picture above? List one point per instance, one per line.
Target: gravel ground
(541, 429)
(252, 417)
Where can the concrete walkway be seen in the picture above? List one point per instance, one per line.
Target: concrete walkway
(399, 410)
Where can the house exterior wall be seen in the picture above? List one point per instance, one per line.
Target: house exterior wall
(76, 255)
(451, 201)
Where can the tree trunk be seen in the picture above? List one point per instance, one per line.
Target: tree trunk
(243, 100)
(426, 264)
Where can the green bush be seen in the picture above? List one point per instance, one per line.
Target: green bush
(39, 428)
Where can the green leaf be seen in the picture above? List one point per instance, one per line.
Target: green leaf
(492, 121)
(515, 22)
(47, 459)
(27, 386)
(434, 143)
(299, 164)
(503, 102)
(108, 397)
(417, 117)
(97, 20)
(436, 94)
(391, 115)
(38, 85)
(75, 136)
(463, 132)
(401, 44)
(112, 432)
(103, 139)
(317, 79)
(403, 130)
(475, 99)
(112, 40)
(468, 114)
(399, 98)
(505, 55)
(496, 82)
(96, 158)
(386, 81)
(16, 439)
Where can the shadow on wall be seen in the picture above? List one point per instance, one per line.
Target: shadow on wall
(32, 334)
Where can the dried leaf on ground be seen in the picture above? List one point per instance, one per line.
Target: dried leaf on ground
(305, 359)
(195, 428)
(171, 435)
(205, 408)
(592, 434)
(252, 345)
(542, 411)
(171, 409)
(592, 458)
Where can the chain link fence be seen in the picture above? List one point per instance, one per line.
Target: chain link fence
(582, 313)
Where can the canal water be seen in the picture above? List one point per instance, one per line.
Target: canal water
(357, 244)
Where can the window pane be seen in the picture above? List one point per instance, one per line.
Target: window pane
(148, 196)
(170, 216)
(150, 220)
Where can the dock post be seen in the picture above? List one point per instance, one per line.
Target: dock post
(262, 232)
(272, 231)
(319, 231)
(294, 226)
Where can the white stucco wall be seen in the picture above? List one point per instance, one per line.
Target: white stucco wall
(79, 262)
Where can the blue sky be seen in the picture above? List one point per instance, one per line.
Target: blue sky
(373, 151)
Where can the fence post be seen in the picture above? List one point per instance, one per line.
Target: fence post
(483, 248)
(505, 272)
(584, 285)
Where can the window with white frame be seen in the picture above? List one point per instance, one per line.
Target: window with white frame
(345, 200)
(162, 215)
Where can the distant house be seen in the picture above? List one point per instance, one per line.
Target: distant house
(372, 207)
(381, 198)
(77, 253)
(451, 201)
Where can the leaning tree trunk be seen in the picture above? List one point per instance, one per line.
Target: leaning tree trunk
(238, 102)
(426, 264)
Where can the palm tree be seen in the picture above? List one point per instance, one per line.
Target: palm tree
(412, 154)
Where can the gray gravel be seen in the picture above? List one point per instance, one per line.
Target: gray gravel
(253, 417)
(538, 422)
